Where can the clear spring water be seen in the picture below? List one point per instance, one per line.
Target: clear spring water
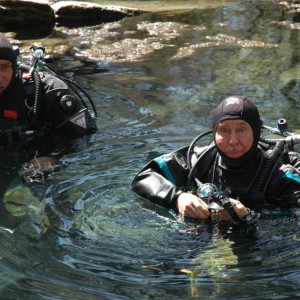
(154, 79)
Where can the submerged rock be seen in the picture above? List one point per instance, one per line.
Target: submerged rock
(74, 13)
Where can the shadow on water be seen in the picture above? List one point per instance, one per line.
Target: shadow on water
(154, 79)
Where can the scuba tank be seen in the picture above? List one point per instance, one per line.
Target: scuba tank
(70, 110)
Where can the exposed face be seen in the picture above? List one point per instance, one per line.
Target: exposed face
(6, 74)
(234, 137)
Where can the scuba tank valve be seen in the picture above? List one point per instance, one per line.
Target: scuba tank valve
(38, 53)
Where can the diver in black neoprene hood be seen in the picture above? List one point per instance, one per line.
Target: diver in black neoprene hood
(234, 177)
(34, 102)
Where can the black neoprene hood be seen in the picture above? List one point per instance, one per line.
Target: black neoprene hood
(7, 52)
(238, 107)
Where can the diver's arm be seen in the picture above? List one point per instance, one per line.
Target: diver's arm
(163, 179)
(153, 186)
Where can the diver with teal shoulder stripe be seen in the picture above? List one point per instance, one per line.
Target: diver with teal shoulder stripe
(234, 177)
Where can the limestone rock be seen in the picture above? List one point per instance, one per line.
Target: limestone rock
(75, 13)
(26, 16)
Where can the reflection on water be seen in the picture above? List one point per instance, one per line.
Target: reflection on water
(154, 79)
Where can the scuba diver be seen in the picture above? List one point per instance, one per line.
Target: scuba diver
(34, 103)
(39, 111)
(233, 178)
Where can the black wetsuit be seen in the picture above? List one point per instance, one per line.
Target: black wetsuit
(58, 124)
(58, 109)
(163, 179)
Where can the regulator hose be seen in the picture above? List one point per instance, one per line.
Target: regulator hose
(192, 145)
(268, 142)
(193, 169)
(72, 83)
(75, 87)
(267, 171)
(39, 95)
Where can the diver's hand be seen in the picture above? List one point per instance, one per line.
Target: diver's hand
(239, 208)
(190, 205)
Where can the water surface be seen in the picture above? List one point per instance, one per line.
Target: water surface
(154, 79)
